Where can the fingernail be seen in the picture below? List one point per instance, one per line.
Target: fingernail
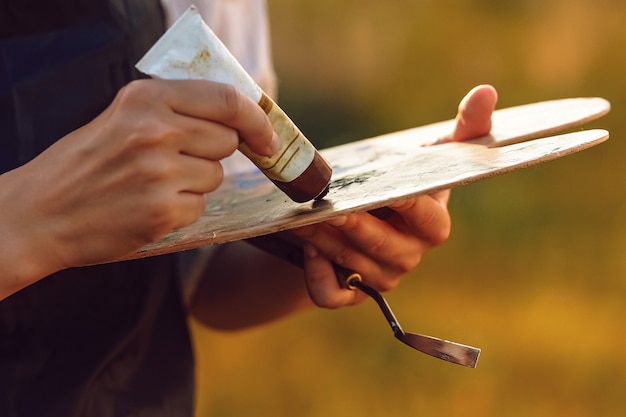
(274, 145)
(338, 221)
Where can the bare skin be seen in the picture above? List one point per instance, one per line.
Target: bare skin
(243, 287)
(132, 175)
(141, 169)
(388, 249)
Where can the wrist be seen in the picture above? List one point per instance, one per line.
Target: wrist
(23, 258)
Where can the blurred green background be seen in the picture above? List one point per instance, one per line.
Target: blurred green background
(533, 273)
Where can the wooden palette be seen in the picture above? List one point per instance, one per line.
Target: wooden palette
(375, 172)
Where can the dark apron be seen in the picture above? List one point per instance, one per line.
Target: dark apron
(109, 340)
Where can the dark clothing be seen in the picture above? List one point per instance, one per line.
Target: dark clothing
(107, 340)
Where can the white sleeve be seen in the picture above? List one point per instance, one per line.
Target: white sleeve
(242, 25)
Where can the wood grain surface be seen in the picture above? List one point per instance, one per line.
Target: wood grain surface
(374, 172)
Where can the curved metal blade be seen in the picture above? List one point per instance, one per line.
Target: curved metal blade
(442, 349)
(283, 245)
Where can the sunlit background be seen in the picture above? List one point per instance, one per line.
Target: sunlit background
(534, 272)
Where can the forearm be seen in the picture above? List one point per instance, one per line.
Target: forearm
(243, 286)
(23, 258)
(17, 269)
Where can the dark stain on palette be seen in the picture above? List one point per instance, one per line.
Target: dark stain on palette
(351, 180)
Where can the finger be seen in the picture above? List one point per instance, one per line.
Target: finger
(442, 197)
(165, 206)
(322, 283)
(197, 175)
(474, 115)
(172, 171)
(380, 270)
(203, 138)
(331, 243)
(426, 217)
(224, 104)
(189, 208)
(377, 239)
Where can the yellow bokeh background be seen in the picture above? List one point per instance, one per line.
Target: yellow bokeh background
(534, 272)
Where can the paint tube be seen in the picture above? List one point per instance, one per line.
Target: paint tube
(190, 50)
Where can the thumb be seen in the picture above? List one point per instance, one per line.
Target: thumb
(474, 116)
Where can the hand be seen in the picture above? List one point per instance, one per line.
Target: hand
(383, 250)
(137, 171)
